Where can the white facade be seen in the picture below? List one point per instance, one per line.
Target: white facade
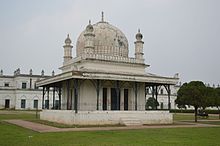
(102, 79)
(107, 117)
(162, 97)
(19, 91)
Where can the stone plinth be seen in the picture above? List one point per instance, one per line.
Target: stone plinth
(105, 117)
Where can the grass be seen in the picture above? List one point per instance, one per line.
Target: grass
(17, 116)
(210, 122)
(185, 117)
(11, 135)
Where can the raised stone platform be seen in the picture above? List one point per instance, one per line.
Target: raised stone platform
(106, 117)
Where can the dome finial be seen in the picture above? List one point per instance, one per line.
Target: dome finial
(139, 36)
(68, 40)
(89, 28)
(102, 16)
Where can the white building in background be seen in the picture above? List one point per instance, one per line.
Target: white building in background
(19, 91)
(162, 96)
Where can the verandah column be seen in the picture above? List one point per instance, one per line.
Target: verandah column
(153, 91)
(122, 99)
(117, 96)
(48, 98)
(54, 97)
(76, 88)
(167, 87)
(156, 94)
(135, 92)
(145, 94)
(109, 98)
(59, 94)
(97, 91)
(68, 95)
(43, 97)
(168, 96)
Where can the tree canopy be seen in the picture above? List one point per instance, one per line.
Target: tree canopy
(196, 94)
(217, 100)
(192, 94)
(152, 102)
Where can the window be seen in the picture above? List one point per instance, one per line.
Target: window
(24, 85)
(147, 91)
(30, 83)
(56, 104)
(23, 102)
(161, 91)
(35, 86)
(46, 104)
(161, 105)
(36, 104)
(6, 84)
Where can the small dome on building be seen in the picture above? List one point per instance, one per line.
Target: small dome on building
(68, 40)
(108, 40)
(139, 36)
(89, 27)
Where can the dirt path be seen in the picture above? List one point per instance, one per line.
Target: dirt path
(33, 126)
(45, 128)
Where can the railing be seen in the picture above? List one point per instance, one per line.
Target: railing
(112, 58)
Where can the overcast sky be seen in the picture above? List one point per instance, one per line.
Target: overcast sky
(180, 36)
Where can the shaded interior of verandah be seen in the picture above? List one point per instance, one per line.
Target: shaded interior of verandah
(72, 99)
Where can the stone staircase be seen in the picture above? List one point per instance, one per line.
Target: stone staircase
(130, 121)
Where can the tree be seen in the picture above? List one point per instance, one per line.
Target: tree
(209, 97)
(181, 101)
(152, 102)
(192, 94)
(217, 100)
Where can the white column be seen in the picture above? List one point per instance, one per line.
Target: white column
(122, 99)
(109, 99)
(100, 98)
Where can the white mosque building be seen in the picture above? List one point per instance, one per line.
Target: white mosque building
(19, 91)
(102, 84)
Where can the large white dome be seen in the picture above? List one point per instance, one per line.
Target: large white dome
(109, 40)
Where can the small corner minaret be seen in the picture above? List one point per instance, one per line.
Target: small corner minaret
(1, 72)
(67, 50)
(30, 72)
(89, 39)
(102, 17)
(139, 46)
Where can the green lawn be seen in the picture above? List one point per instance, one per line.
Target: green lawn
(185, 117)
(210, 122)
(11, 135)
(17, 116)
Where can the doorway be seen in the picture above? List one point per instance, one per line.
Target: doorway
(125, 99)
(115, 101)
(7, 103)
(104, 100)
(36, 104)
(23, 103)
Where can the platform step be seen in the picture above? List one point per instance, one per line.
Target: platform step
(130, 121)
